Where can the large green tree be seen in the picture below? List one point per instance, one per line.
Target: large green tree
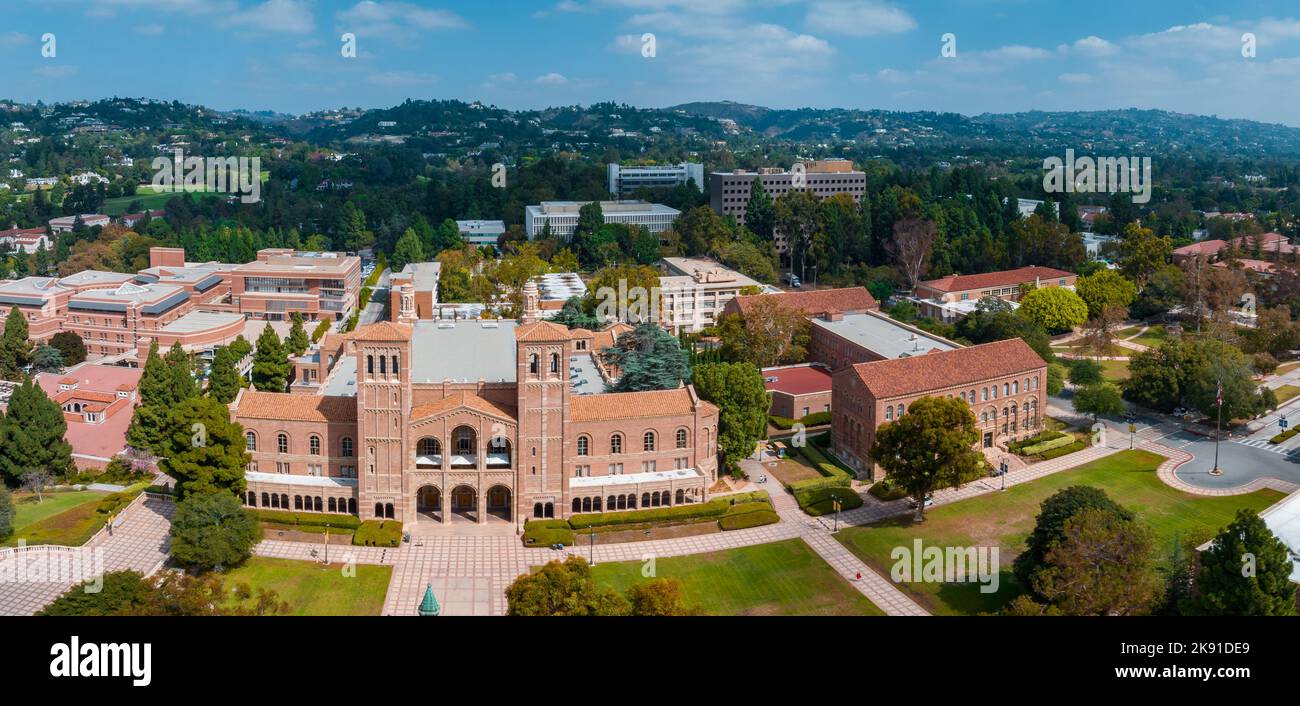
(1105, 288)
(271, 366)
(929, 447)
(648, 358)
(737, 389)
(760, 212)
(566, 588)
(1056, 309)
(407, 250)
(1049, 527)
(1245, 571)
(70, 346)
(768, 334)
(1098, 399)
(31, 435)
(7, 513)
(13, 345)
(203, 449)
(1103, 564)
(223, 378)
(296, 342)
(212, 530)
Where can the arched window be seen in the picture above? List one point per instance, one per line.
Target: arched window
(648, 441)
(1034, 380)
(250, 441)
(383, 365)
(584, 446)
(282, 443)
(266, 500)
(550, 510)
(1015, 387)
(681, 496)
(251, 499)
(645, 500)
(370, 365)
(1006, 389)
(352, 506)
(586, 504)
(394, 365)
(595, 504)
(901, 409)
(631, 501)
(379, 509)
(681, 438)
(430, 446)
(963, 395)
(577, 504)
(555, 363)
(345, 447)
(616, 443)
(388, 511)
(313, 445)
(297, 502)
(532, 363)
(333, 505)
(889, 413)
(537, 510)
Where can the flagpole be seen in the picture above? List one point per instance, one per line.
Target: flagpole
(1218, 427)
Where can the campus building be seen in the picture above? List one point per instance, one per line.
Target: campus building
(953, 297)
(475, 421)
(316, 285)
(562, 216)
(97, 402)
(626, 180)
(696, 290)
(480, 233)
(729, 191)
(1003, 382)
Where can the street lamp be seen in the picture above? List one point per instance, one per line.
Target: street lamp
(591, 534)
(836, 505)
(1003, 468)
(327, 543)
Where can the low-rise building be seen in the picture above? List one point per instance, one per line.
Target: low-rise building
(953, 297)
(1003, 382)
(562, 216)
(696, 290)
(98, 402)
(27, 240)
(626, 180)
(480, 233)
(798, 390)
(316, 285)
(65, 224)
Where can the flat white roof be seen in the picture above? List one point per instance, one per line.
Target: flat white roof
(633, 478)
(1284, 520)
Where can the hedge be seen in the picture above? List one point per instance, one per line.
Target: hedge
(1035, 449)
(378, 533)
(1063, 450)
(314, 520)
(1279, 438)
(745, 520)
(817, 502)
(713, 508)
(886, 490)
(780, 422)
(815, 419)
(544, 533)
(1038, 438)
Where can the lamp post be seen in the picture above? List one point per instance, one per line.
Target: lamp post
(1132, 428)
(327, 543)
(591, 534)
(1003, 467)
(835, 503)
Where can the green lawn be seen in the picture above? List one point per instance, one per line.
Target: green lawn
(151, 202)
(1114, 370)
(781, 578)
(30, 512)
(314, 589)
(71, 526)
(1286, 392)
(1287, 367)
(1153, 337)
(1005, 519)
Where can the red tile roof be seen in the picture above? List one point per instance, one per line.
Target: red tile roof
(812, 302)
(1005, 278)
(944, 369)
(542, 331)
(462, 399)
(799, 380)
(384, 331)
(629, 405)
(252, 404)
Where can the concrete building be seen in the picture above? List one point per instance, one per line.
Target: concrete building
(626, 180)
(1004, 383)
(953, 297)
(65, 224)
(316, 285)
(27, 240)
(729, 191)
(562, 216)
(696, 291)
(480, 233)
(490, 421)
(420, 281)
(838, 340)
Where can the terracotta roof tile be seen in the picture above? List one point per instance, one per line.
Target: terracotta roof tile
(252, 404)
(542, 331)
(1005, 278)
(382, 331)
(797, 380)
(462, 399)
(812, 302)
(939, 370)
(629, 405)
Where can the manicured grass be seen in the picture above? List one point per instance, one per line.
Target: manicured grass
(1153, 337)
(73, 527)
(151, 202)
(1287, 367)
(30, 512)
(1005, 519)
(781, 578)
(315, 589)
(1128, 332)
(1114, 370)
(1286, 392)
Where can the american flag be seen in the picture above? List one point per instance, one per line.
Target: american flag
(1218, 393)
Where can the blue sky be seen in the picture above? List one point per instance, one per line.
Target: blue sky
(1012, 55)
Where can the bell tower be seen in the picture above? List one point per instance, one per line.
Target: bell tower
(542, 357)
(383, 358)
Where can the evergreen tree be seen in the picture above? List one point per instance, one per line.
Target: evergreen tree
(1246, 571)
(211, 530)
(31, 435)
(47, 359)
(737, 389)
(407, 250)
(271, 365)
(70, 346)
(7, 513)
(203, 449)
(223, 379)
(648, 358)
(13, 345)
(180, 368)
(760, 213)
(297, 342)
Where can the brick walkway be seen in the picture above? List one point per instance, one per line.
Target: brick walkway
(41, 574)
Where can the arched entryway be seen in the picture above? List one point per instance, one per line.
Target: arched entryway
(464, 501)
(428, 502)
(498, 502)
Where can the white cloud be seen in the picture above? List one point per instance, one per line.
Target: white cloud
(1094, 46)
(150, 30)
(399, 21)
(13, 39)
(1075, 78)
(857, 18)
(272, 17)
(551, 79)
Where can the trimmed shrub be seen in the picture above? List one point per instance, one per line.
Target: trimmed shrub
(713, 508)
(544, 533)
(1040, 437)
(378, 533)
(886, 490)
(780, 422)
(818, 502)
(1063, 450)
(1279, 438)
(308, 521)
(811, 484)
(1034, 450)
(755, 518)
(816, 419)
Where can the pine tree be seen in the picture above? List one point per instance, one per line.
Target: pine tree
(271, 362)
(180, 368)
(407, 250)
(31, 435)
(760, 212)
(223, 379)
(203, 449)
(13, 345)
(297, 341)
(1245, 571)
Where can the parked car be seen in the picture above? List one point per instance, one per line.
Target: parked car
(929, 500)
(1180, 412)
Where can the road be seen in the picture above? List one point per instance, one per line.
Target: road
(374, 311)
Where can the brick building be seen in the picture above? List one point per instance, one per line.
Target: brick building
(1003, 382)
(475, 420)
(953, 297)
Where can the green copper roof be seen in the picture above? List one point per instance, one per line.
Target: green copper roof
(429, 604)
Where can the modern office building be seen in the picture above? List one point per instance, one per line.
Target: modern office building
(316, 285)
(562, 216)
(480, 233)
(626, 180)
(729, 191)
(695, 290)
